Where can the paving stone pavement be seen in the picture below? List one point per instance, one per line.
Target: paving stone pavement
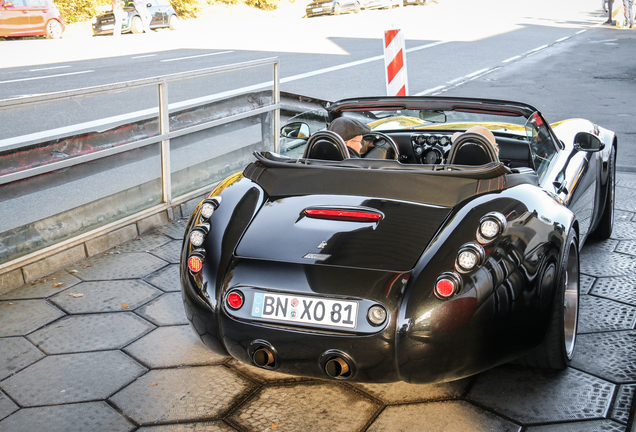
(104, 346)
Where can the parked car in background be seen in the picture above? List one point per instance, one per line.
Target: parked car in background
(382, 4)
(332, 7)
(19, 18)
(163, 16)
(415, 2)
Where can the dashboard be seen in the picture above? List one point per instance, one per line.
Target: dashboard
(430, 148)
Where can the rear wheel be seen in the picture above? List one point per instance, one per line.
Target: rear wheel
(53, 29)
(606, 225)
(336, 9)
(136, 25)
(173, 22)
(557, 349)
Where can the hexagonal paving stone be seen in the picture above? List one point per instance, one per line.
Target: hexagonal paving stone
(6, 407)
(171, 347)
(187, 394)
(170, 252)
(216, 426)
(175, 229)
(118, 266)
(625, 199)
(71, 378)
(21, 317)
(168, 279)
(263, 376)
(105, 296)
(608, 264)
(144, 244)
(624, 230)
(306, 407)
(590, 426)
(166, 310)
(79, 333)
(608, 355)
(622, 289)
(93, 416)
(586, 284)
(593, 246)
(401, 392)
(440, 416)
(623, 403)
(627, 247)
(539, 396)
(599, 314)
(16, 353)
(43, 288)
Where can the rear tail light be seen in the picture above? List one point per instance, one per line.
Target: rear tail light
(349, 215)
(448, 284)
(195, 263)
(235, 300)
(208, 207)
(491, 226)
(470, 256)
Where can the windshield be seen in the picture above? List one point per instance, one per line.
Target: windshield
(422, 120)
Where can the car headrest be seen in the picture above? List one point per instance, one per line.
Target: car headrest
(326, 145)
(472, 148)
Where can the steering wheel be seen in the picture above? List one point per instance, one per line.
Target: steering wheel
(378, 147)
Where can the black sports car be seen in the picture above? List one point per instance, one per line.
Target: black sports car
(442, 252)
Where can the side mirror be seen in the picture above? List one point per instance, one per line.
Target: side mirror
(296, 130)
(148, 4)
(587, 142)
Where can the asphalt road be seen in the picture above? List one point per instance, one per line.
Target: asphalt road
(329, 57)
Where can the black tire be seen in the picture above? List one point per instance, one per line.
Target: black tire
(173, 22)
(136, 25)
(557, 349)
(336, 9)
(54, 29)
(606, 225)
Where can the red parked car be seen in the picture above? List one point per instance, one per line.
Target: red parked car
(20, 18)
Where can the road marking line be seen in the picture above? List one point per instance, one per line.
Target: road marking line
(196, 56)
(46, 76)
(511, 59)
(352, 64)
(479, 72)
(144, 56)
(429, 91)
(562, 39)
(48, 68)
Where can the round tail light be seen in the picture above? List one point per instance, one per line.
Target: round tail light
(448, 284)
(235, 300)
(195, 263)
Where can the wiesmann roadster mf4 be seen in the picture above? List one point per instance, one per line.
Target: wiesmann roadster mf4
(438, 254)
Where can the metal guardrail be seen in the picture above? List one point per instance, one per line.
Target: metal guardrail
(188, 122)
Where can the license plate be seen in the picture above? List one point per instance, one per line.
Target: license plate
(108, 27)
(317, 9)
(306, 310)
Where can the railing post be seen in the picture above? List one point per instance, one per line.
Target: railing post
(276, 102)
(164, 128)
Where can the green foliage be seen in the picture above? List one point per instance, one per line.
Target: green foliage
(79, 10)
(186, 8)
(262, 4)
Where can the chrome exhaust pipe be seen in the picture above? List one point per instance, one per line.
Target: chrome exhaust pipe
(263, 357)
(337, 367)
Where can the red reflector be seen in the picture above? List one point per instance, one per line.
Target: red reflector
(445, 288)
(344, 215)
(195, 263)
(235, 300)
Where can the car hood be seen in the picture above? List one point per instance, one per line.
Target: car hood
(282, 231)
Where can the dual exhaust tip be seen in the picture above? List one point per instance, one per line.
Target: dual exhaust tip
(336, 364)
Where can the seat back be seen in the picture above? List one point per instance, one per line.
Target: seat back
(326, 145)
(472, 148)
